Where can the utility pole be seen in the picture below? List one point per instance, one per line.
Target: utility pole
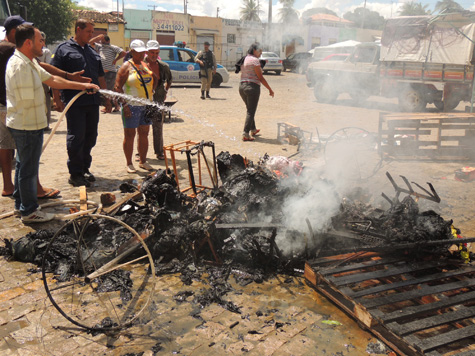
(154, 6)
(185, 4)
(269, 17)
(217, 12)
(364, 14)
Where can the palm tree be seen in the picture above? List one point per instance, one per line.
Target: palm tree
(250, 11)
(287, 13)
(448, 6)
(413, 9)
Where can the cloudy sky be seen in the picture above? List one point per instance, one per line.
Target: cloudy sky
(230, 9)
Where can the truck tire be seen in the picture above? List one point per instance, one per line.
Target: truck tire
(439, 104)
(412, 100)
(451, 103)
(447, 105)
(326, 92)
(217, 80)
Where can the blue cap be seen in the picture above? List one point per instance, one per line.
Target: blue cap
(15, 21)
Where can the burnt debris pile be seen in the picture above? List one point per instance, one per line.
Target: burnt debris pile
(240, 226)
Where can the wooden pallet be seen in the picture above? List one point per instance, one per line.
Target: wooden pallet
(417, 307)
(440, 136)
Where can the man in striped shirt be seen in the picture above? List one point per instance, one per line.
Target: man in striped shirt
(110, 54)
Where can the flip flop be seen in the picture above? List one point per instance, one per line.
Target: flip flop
(7, 195)
(52, 193)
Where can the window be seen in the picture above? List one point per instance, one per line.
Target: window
(364, 55)
(231, 38)
(185, 56)
(166, 55)
(316, 41)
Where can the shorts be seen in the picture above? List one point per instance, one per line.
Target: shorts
(6, 138)
(137, 119)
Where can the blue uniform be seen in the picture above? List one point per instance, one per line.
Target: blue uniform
(83, 116)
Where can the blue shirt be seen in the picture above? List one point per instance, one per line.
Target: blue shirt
(71, 57)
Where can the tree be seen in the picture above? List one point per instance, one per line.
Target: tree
(365, 18)
(317, 10)
(250, 11)
(448, 6)
(287, 13)
(413, 9)
(54, 18)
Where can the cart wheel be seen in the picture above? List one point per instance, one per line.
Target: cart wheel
(351, 152)
(86, 270)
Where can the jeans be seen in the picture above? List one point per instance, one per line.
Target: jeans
(29, 145)
(250, 93)
(81, 138)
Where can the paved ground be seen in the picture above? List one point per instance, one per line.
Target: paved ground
(29, 324)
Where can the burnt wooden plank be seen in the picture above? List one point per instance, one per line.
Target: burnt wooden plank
(445, 339)
(395, 285)
(338, 258)
(424, 291)
(465, 353)
(249, 226)
(393, 271)
(417, 310)
(433, 321)
(356, 266)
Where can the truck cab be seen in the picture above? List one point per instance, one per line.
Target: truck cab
(358, 75)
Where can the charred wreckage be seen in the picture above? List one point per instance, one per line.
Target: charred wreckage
(239, 228)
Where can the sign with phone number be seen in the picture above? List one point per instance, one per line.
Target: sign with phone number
(170, 27)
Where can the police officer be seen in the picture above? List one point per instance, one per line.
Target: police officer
(207, 62)
(83, 116)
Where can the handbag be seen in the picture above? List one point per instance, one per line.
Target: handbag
(152, 112)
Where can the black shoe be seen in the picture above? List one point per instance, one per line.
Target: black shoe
(89, 176)
(78, 181)
(202, 95)
(207, 95)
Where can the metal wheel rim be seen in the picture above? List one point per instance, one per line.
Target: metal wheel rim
(151, 265)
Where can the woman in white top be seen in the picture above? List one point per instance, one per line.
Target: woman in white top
(250, 89)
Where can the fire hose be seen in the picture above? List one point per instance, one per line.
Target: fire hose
(62, 202)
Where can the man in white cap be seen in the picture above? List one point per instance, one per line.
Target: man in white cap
(164, 76)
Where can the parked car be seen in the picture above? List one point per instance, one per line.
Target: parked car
(297, 62)
(273, 62)
(336, 57)
(185, 70)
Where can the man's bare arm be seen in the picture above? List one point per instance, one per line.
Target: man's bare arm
(76, 76)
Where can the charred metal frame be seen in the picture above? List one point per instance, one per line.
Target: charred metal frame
(191, 148)
(432, 195)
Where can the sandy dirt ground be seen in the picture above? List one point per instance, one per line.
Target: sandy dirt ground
(29, 324)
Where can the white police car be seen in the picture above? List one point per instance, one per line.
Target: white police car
(185, 70)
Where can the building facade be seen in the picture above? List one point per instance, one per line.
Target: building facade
(236, 37)
(170, 27)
